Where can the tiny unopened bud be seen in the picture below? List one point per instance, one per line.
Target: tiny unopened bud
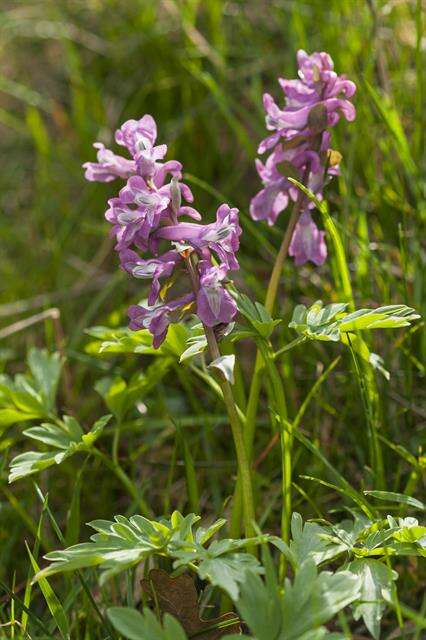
(176, 194)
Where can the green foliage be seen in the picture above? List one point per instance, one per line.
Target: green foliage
(331, 322)
(123, 340)
(66, 437)
(144, 626)
(376, 586)
(54, 604)
(70, 78)
(31, 396)
(45, 369)
(307, 603)
(400, 498)
(121, 396)
(196, 343)
(125, 543)
(222, 563)
(260, 320)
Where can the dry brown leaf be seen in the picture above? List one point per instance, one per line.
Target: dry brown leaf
(178, 596)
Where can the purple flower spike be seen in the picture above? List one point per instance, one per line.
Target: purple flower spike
(146, 213)
(308, 243)
(109, 166)
(214, 303)
(300, 145)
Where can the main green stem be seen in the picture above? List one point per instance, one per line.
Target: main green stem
(256, 383)
(237, 434)
(286, 444)
(234, 420)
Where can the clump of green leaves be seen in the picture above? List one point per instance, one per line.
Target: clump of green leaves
(134, 625)
(331, 322)
(125, 542)
(31, 396)
(64, 438)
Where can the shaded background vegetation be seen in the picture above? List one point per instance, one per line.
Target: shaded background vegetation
(71, 73)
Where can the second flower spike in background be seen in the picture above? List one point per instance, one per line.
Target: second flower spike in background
(300, 145)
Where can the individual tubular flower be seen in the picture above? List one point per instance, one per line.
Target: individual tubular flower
(146, 215)
(158, 318)
(109, 166)
(308, 242)
(278, 190)
(222, 236)
(153, 268)
(137, 135)
(214, 303)
(300, 145)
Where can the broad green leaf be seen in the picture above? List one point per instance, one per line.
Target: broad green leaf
(317, 322)
(128, 622)
(65, 439)
(203, 535)
(121, 340)
(376, 585)
(259, 605)
(389, 317)
(10, 416)
(313, 599)
(220, 564)
(409, 530)
(310, 540)
(302, 609)
(134, 625)
(19, 402)
(229, 571)
(196, 343)
(46, 371)
(31, 396)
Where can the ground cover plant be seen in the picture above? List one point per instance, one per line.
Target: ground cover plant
(212, 355)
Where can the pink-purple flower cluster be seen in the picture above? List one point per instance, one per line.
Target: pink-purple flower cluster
(146, 215)
(300, 144)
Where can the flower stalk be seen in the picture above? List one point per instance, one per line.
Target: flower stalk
(300, 144)
(146, 215)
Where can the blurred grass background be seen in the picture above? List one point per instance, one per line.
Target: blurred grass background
(73, 71)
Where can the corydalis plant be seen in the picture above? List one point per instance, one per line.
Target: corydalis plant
(146, 214)
(300, 145)
(196, 261)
